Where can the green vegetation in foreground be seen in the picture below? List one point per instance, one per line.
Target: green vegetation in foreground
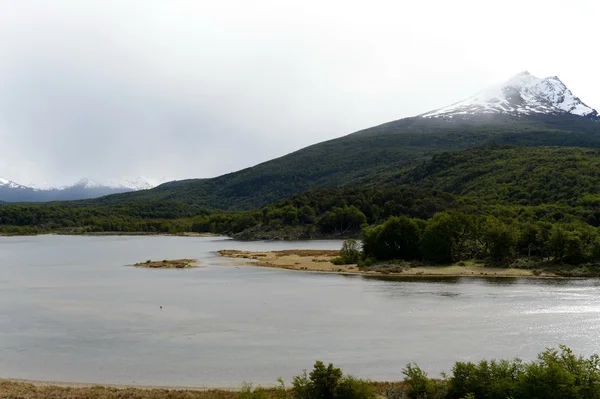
(555, 374)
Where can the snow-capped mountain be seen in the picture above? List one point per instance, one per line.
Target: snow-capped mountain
(523, 94)
(83, 189)
(5, 183)
(135, 184)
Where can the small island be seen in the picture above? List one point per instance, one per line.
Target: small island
(168, 264)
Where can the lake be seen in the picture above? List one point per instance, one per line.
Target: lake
(71, 311)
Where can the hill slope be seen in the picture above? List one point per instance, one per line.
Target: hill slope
(512, 175)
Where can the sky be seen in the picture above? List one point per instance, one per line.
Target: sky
(187, 89)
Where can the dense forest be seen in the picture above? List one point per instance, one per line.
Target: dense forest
(335, 211)
(514, 175)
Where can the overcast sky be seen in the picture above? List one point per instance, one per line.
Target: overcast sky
(179, 89)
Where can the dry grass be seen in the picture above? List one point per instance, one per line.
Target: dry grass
(38, 390)
(303, 259)
(168, 264)
(25, 390)
(309, 252)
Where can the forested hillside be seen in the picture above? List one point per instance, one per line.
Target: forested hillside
(513, 175)
(364, 156)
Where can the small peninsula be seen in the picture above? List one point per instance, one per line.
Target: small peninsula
(321, 261)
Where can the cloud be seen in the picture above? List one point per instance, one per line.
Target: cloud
(195, 89)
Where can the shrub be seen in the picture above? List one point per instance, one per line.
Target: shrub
(557, 374)
(419, 386)
(486, 380)
(328, 382)
(248, 392)
(338, 260)
(350, 252)
(366, 262)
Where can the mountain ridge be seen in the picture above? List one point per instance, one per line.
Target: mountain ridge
(85, 188)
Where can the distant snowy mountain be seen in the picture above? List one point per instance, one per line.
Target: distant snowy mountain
(138, 183)
(523, 94)
(4, 183)
(83, 189)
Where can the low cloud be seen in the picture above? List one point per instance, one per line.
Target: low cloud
(192, 89)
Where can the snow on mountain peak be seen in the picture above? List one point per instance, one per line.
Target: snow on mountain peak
(522, 94)
(134, 184)
(9, 183)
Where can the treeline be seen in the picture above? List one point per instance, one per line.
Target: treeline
(453, 236)
(334, 211)
(164, 217)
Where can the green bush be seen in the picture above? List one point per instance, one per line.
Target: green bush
(328, 382)
(419, 386)
(248, 392)
(556, 374)
(366, 262)
(338, 260)
(350, 252)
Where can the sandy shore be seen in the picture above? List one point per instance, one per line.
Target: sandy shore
(320, 261)
(142, 233)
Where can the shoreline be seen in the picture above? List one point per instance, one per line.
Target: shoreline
(117, 233)
(319, 261)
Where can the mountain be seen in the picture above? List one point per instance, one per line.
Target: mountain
(524, 111)
(523, 94)
(83, 189)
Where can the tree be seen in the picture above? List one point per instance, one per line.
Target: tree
(397, 238)
(306, 215)
(342, 220)
(350, 252)
(500, 239)
(450, 237)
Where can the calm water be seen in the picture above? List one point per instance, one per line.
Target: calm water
(70, 311)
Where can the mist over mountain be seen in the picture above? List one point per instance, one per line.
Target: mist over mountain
(523, 94)
(11, 191)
